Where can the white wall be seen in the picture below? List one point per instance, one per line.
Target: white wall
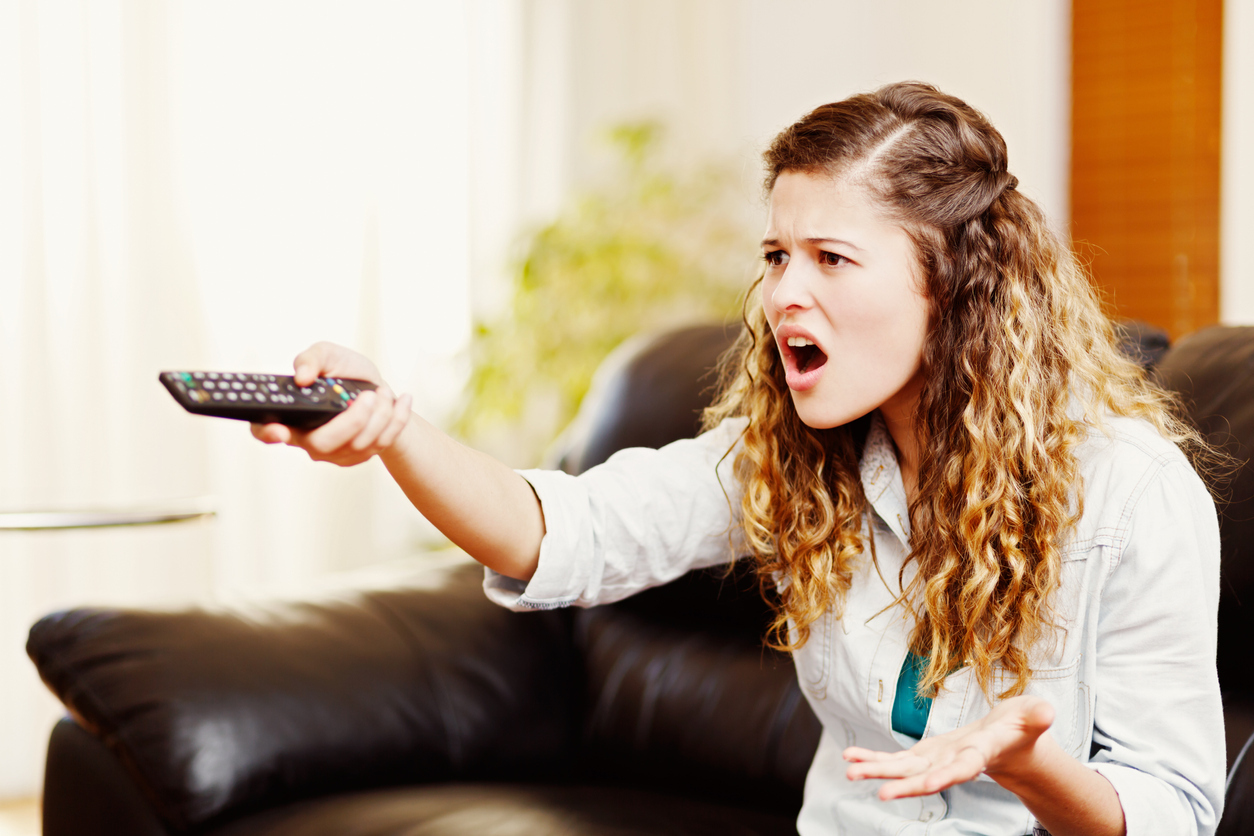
(1236, 254)
(1010, 60)
(726, 75)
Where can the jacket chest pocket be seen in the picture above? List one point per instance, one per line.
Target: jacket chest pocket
(814, 659)
(1060, 686)
(1069, 696)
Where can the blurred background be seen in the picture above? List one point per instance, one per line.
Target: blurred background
(484, 196)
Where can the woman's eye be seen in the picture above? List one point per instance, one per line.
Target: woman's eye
(832, 259)
(775, 258)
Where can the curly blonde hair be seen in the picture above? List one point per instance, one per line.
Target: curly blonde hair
(1019, 363)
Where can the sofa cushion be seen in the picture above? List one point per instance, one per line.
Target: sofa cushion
(87, 792)
(217, 712)
(1144, 343)
(510, 810)
(1213, 373)
(704, 712)
(649, 392)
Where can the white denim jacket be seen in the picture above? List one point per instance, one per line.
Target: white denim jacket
(1132, 680)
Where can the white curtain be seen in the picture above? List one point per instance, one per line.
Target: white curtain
(212, 184)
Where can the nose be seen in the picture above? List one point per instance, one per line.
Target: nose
(790, 291)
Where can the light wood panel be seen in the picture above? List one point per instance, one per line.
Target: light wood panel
(1146, 95)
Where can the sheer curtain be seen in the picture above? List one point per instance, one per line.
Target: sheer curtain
(212, 185)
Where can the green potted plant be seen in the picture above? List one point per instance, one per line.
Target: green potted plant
(652, 249)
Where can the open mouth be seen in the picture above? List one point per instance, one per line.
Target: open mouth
(808, 355)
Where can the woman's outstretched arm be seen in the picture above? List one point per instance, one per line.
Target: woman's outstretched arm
(476, 501)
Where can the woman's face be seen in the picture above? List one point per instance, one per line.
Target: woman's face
(843, 296)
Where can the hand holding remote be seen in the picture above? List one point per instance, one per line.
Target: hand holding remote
(367, 427)
(450, 484)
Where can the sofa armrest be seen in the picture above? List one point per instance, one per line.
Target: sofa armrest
(214, 713)
(87, 791)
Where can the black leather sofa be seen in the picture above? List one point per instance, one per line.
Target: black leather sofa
(417, 707)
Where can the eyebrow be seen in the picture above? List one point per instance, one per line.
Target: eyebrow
(774, 242)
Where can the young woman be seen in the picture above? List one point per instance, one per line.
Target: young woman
(996, 569)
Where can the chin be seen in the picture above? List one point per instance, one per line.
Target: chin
(816, 417)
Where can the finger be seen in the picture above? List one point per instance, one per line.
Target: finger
(271, 433)
(857, 754)
(400, 417)
(966, 766)
(1039, 717)
(343, 428)
(380, 417)
(311, 363)
(894, 768)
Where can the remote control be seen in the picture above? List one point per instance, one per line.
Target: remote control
(263, 398)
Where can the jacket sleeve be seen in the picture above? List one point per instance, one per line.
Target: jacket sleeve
(1158, 723)
(641, 519)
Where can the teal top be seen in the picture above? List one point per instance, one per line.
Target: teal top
(910, 711)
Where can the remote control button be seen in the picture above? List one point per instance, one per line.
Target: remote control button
(228, 376)
(246, 396)
(213, 375)
(273, 387)
(231, 396)
(198, 375)
(250, 386)
(217, 396)
(209, 384)
(260, 397)
(237, 386)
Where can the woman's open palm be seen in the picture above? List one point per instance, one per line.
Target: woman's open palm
(1003, 740)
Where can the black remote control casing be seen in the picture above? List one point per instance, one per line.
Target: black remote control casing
(263, 398)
